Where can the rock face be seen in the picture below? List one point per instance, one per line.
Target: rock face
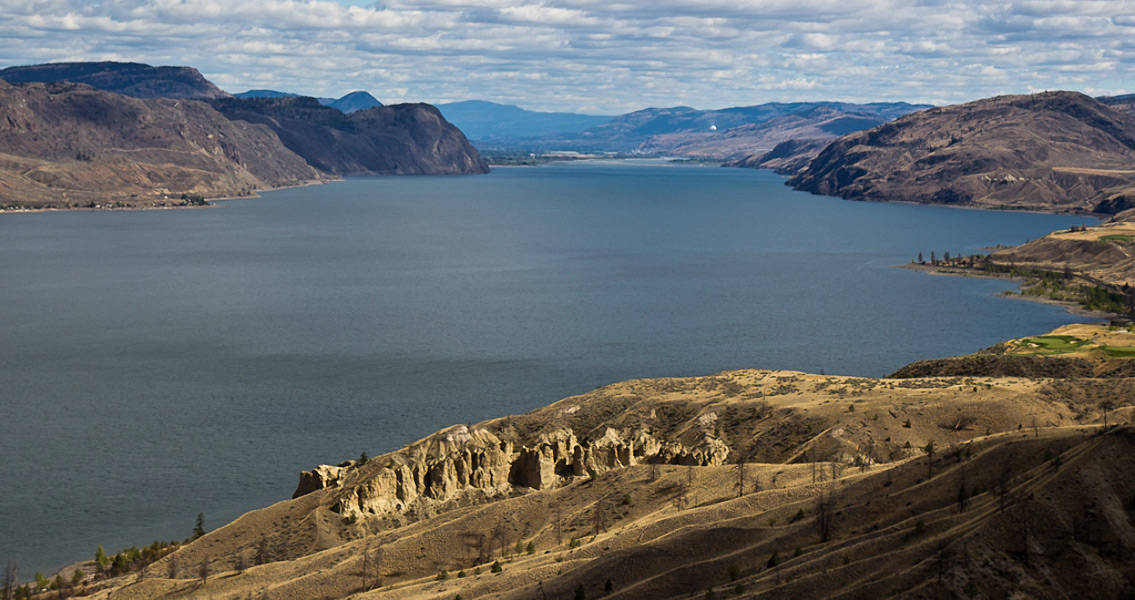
(1058, 151)
(129, 79)
(386, 140)
(66, 144)
(460, 464)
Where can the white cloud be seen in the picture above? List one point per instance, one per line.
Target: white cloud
(609, 56)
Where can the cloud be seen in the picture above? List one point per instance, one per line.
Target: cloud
(600, 55)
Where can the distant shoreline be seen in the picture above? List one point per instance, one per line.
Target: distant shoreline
(210, 202)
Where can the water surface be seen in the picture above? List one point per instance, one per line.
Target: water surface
(158, 364)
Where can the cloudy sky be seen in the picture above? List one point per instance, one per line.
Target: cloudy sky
(600, 56)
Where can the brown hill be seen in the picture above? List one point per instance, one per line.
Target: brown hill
(1058, 151)
(755, 484)
(66, 145)
(129, 79)
(398, 139)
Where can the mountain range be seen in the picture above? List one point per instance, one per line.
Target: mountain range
(680, 131)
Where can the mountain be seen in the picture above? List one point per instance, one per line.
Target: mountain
(746, 484)
(741, 141)
(1055, 151)
(129, 79)
(398, 139)
(787, 158)
(481, 120)
(352, 102)
(652, 129)
(66, 145)
(349, 103)
(1124, 103)
(264, 94)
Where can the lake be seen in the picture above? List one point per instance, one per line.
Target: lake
(158, 364)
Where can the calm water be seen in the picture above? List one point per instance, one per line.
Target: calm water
(154, 365)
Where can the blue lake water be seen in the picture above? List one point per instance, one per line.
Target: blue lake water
(158, 364)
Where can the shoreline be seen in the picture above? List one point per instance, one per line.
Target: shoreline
(1074, 309)
(210, 202)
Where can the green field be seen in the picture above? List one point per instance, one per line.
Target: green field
(1120, 351)
(1117, 237)
(1055, 344)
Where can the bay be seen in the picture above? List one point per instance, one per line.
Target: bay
(158, 364)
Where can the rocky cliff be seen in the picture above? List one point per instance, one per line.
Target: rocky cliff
(787, 158)
(67, 145)
(398, 139)
(1056, 151)
(129, 79)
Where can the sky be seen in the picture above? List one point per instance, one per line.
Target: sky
(600, 56)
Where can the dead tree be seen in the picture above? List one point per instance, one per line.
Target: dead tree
(203, 571)
(600, 520)
(263, 555)
(171, 567)
(825, 516)
(929, 448)
(963, 491)
(1106, 406)
(740, 478)
(11, 579)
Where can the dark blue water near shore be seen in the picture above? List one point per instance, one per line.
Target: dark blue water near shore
(158, 364)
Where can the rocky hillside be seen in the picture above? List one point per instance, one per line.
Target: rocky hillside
(65, 145)
(750, 483)
(398, 139)
(787, 158)
(129, 79)
(1055, 151)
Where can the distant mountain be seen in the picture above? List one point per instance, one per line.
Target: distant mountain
(634, 131)
(1124, 103)
(481, 120)
(66, 145)
(743, 140)
(398, 139)
(1058, 151)
(265, 94)
(129, 79)
(352, 102)
(349, 103)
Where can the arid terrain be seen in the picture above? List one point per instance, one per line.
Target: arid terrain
(1053, 151)
(744, 484)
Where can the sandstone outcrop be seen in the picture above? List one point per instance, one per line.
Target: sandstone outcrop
(461, 464)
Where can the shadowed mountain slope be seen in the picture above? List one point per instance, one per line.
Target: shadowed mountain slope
(398, 139)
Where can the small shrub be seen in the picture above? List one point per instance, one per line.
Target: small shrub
(574, 543)
(906, 423)
(580, 592)
(798, 552)
(798, 516)
(531, 549)
(443, 575)
(461, 574)
(734, 572)
(627, 500)
(609, 586)
(773, 560)
(497, 568)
